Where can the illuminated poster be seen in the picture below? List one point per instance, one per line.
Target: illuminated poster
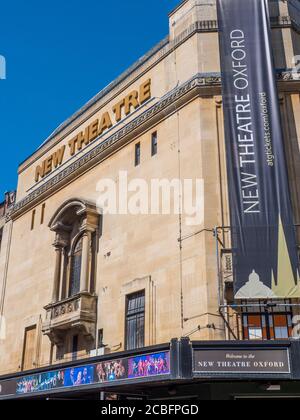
(137, 367)
(150, 365)
(41, 382)
(265, 256)
(78, 376)
(111, 371)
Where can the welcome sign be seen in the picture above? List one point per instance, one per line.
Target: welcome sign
(243, 361)
(263, 234)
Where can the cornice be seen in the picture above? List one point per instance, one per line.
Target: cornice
(182, 3)
(154, 56)
(200, 84)
(151, 59)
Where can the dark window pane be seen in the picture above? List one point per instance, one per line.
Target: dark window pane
(135, 321)
(76, 260)
(154, 144)
(74, 347)
(100, 338)
(137, 154)
(32, 219)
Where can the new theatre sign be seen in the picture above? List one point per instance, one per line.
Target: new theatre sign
(264, 243)
(95, 129)
(241, 361)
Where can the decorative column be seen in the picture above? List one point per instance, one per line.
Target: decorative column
(85, 264)
(57, 272)
(64, 276)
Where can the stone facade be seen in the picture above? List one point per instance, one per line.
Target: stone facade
(5, 239)
(173, 262)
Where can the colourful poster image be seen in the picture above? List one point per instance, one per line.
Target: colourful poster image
(143, 366)
(79, 376)
(41, 382)
(150, 365)
(111, 371)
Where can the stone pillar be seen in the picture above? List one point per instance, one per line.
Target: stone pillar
(57, 273)
(85, 263)
(64, 285)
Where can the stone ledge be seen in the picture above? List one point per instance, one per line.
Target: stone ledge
(199, 85)
(78, 312)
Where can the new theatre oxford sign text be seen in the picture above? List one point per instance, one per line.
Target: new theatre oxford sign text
(107, 120)
(254, 361)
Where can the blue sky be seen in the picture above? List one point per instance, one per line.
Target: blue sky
(59, 54)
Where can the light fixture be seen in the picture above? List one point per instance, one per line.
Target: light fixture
(273, 388)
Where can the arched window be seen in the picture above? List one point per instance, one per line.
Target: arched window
(76, 225)
(75, 269)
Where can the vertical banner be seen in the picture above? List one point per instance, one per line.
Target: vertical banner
(265, 254)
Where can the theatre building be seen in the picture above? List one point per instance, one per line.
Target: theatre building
(109, 292)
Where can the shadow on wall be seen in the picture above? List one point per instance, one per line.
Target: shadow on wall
(277, 37)
(294, 11)
(292, 151)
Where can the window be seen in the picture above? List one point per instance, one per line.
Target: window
(154, 144)
(32, 219)
(74, 347)
(43, 213)
(135, 321)
(76, 261)
(75, 224)
(281, 326)
(255, 333)
(137, 154)
(100, 339)
(254, 327)
(267, 325)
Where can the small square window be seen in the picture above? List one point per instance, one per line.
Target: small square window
(281, 333)
(255, 334)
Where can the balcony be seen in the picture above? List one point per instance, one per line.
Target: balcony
(77, 313)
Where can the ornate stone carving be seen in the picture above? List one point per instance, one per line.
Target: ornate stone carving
(288, 75)
(78, 313)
